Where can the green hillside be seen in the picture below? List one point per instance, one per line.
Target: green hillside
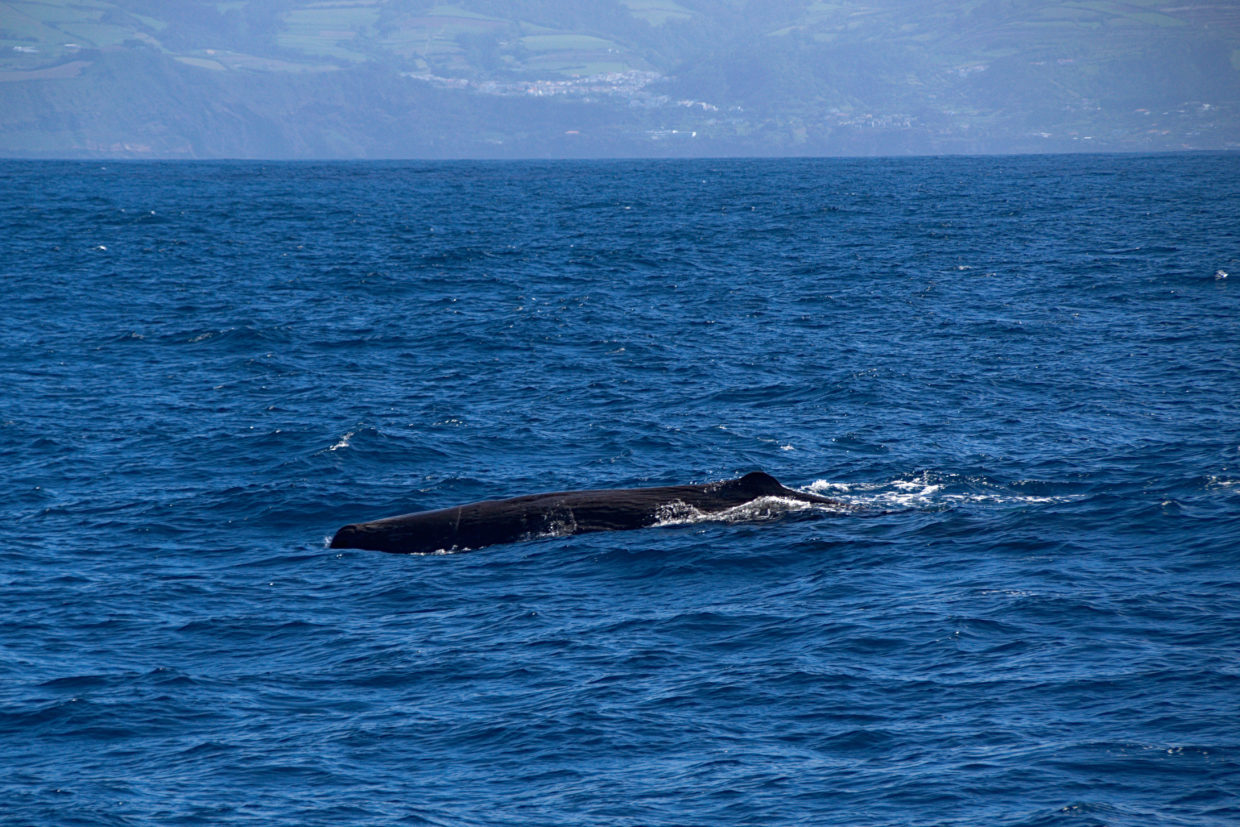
(405, 78)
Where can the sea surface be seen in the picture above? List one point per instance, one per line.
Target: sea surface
(1024, 371)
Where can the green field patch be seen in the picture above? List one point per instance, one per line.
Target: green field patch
(202, 63)
(458, 24)
(421, 27)
(458, 12)
(152, 23)
(1124, 11)
(1049, 25)
(327, 31)
(354, 19)
(1070, 13)
(567, 42)
(30, 34)
(1165, 21)
(319, 48)
(411, 42)
(657, 12)
(217, 60)
(50, 26)
(435, 33)
(36, 25)
(53, 11)
(827, 14)
(95, 34)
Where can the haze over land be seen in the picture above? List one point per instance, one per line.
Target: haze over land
(565, 78)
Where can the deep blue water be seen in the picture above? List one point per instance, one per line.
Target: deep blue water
(1025, 370)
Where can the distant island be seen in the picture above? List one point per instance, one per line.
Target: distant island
(408, 79)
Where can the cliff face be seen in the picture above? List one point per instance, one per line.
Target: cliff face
(403, 79)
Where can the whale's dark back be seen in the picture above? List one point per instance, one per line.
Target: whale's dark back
(762, 484)
(480, 524)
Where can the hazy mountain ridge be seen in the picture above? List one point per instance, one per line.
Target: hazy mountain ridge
(402, 78)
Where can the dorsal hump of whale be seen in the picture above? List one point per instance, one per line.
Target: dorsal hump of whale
(760, 483)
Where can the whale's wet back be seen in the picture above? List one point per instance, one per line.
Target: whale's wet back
(486, 523)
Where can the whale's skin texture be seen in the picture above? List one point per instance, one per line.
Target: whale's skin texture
(490, 522)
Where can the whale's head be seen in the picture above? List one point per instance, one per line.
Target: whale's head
(346, 537)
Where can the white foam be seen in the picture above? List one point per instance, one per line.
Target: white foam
(923, 493)
(1002, 498)
(762, 508)
(894, 494)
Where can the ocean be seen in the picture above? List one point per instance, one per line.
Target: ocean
(1024, 372)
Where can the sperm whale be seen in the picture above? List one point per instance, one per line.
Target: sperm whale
(490, 522)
